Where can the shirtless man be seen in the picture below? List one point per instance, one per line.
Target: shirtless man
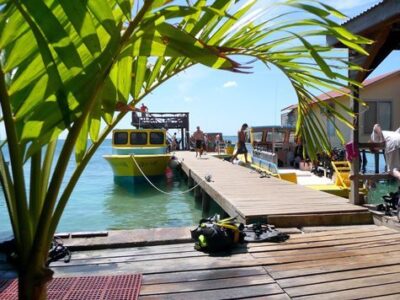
(198, 136)
(241, 147)
(392, 148)
(217, 143)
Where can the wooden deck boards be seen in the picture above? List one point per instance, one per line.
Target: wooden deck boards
(351, 263)
(241, 192)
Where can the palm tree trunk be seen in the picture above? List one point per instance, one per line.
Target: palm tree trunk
(32, 281)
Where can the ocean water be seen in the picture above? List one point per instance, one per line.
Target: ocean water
(97, 203)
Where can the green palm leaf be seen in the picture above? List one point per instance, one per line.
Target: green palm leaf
(66, 64)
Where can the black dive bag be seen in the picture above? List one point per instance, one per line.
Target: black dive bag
(215, 235)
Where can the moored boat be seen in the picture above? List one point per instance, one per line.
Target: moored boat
(273, 150)
(138, 153)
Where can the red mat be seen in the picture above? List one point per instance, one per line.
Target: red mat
(120, 287)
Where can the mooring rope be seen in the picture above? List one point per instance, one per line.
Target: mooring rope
(206, 178)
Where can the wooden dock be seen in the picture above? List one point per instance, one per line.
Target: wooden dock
(241, 192)
(356, 262)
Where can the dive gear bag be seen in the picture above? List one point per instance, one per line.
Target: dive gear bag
(214, 235)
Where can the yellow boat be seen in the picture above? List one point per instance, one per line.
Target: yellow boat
(138, 153)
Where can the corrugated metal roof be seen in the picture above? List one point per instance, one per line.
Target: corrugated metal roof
(335, 94)
(365, 11)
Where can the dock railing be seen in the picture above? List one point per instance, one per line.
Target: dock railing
(375, 148)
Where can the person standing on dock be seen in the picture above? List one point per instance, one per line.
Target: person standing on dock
(241, 146)
(174, 142)
(198, 136)
(392, 148)
(144, 110)
(217, 143)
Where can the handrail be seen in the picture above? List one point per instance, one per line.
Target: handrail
(378, 146)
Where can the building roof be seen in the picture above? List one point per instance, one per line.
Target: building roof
(379, 23)
(374, 19)
(365, 12)
(335, 94)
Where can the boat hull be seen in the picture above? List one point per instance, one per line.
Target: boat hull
(150, 165)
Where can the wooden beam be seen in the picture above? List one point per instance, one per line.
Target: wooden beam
(376, 56)
(379, 146)
(354, 195)
(375, 177)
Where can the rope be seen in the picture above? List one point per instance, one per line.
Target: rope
(206, 178)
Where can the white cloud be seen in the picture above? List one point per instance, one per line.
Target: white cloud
(188, 99)
(230, 84)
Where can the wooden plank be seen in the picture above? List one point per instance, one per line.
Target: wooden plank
(342, 285)
(144, 250)
(324, 219)
(204, 285)
(231, 293)
(202, 275)
(356, 293)
(331, 246)
(305, 268)
(336, 276)
(387, 297)
(302, 256)
(322, 242)
(270, 297)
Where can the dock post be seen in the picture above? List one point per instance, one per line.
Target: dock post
(197, 194)
(205, 201)
(190, 182)
(376, 163)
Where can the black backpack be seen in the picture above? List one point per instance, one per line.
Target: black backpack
(215, 235)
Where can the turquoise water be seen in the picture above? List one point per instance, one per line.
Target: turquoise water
(99, 204)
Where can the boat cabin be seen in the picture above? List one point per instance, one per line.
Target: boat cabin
(278, 141)
(139, 138)
(139, 141)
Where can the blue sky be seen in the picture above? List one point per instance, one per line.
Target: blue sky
(221, 101)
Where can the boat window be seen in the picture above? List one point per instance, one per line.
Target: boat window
(157, 138)
(120, 138)
(138, 138)
(292, 138)
(257, 136)
(276, 137)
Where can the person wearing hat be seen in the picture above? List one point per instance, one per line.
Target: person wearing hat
(392, 148)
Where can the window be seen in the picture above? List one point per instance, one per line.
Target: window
(138, 138)
(330, 126)
(292, 137)
(378, 112)
(157, 138)
(275, 136)
(120, 138)
(257, 136)
(330, 119)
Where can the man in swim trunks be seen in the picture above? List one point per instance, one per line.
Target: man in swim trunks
(198, 136)
(241, 146)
